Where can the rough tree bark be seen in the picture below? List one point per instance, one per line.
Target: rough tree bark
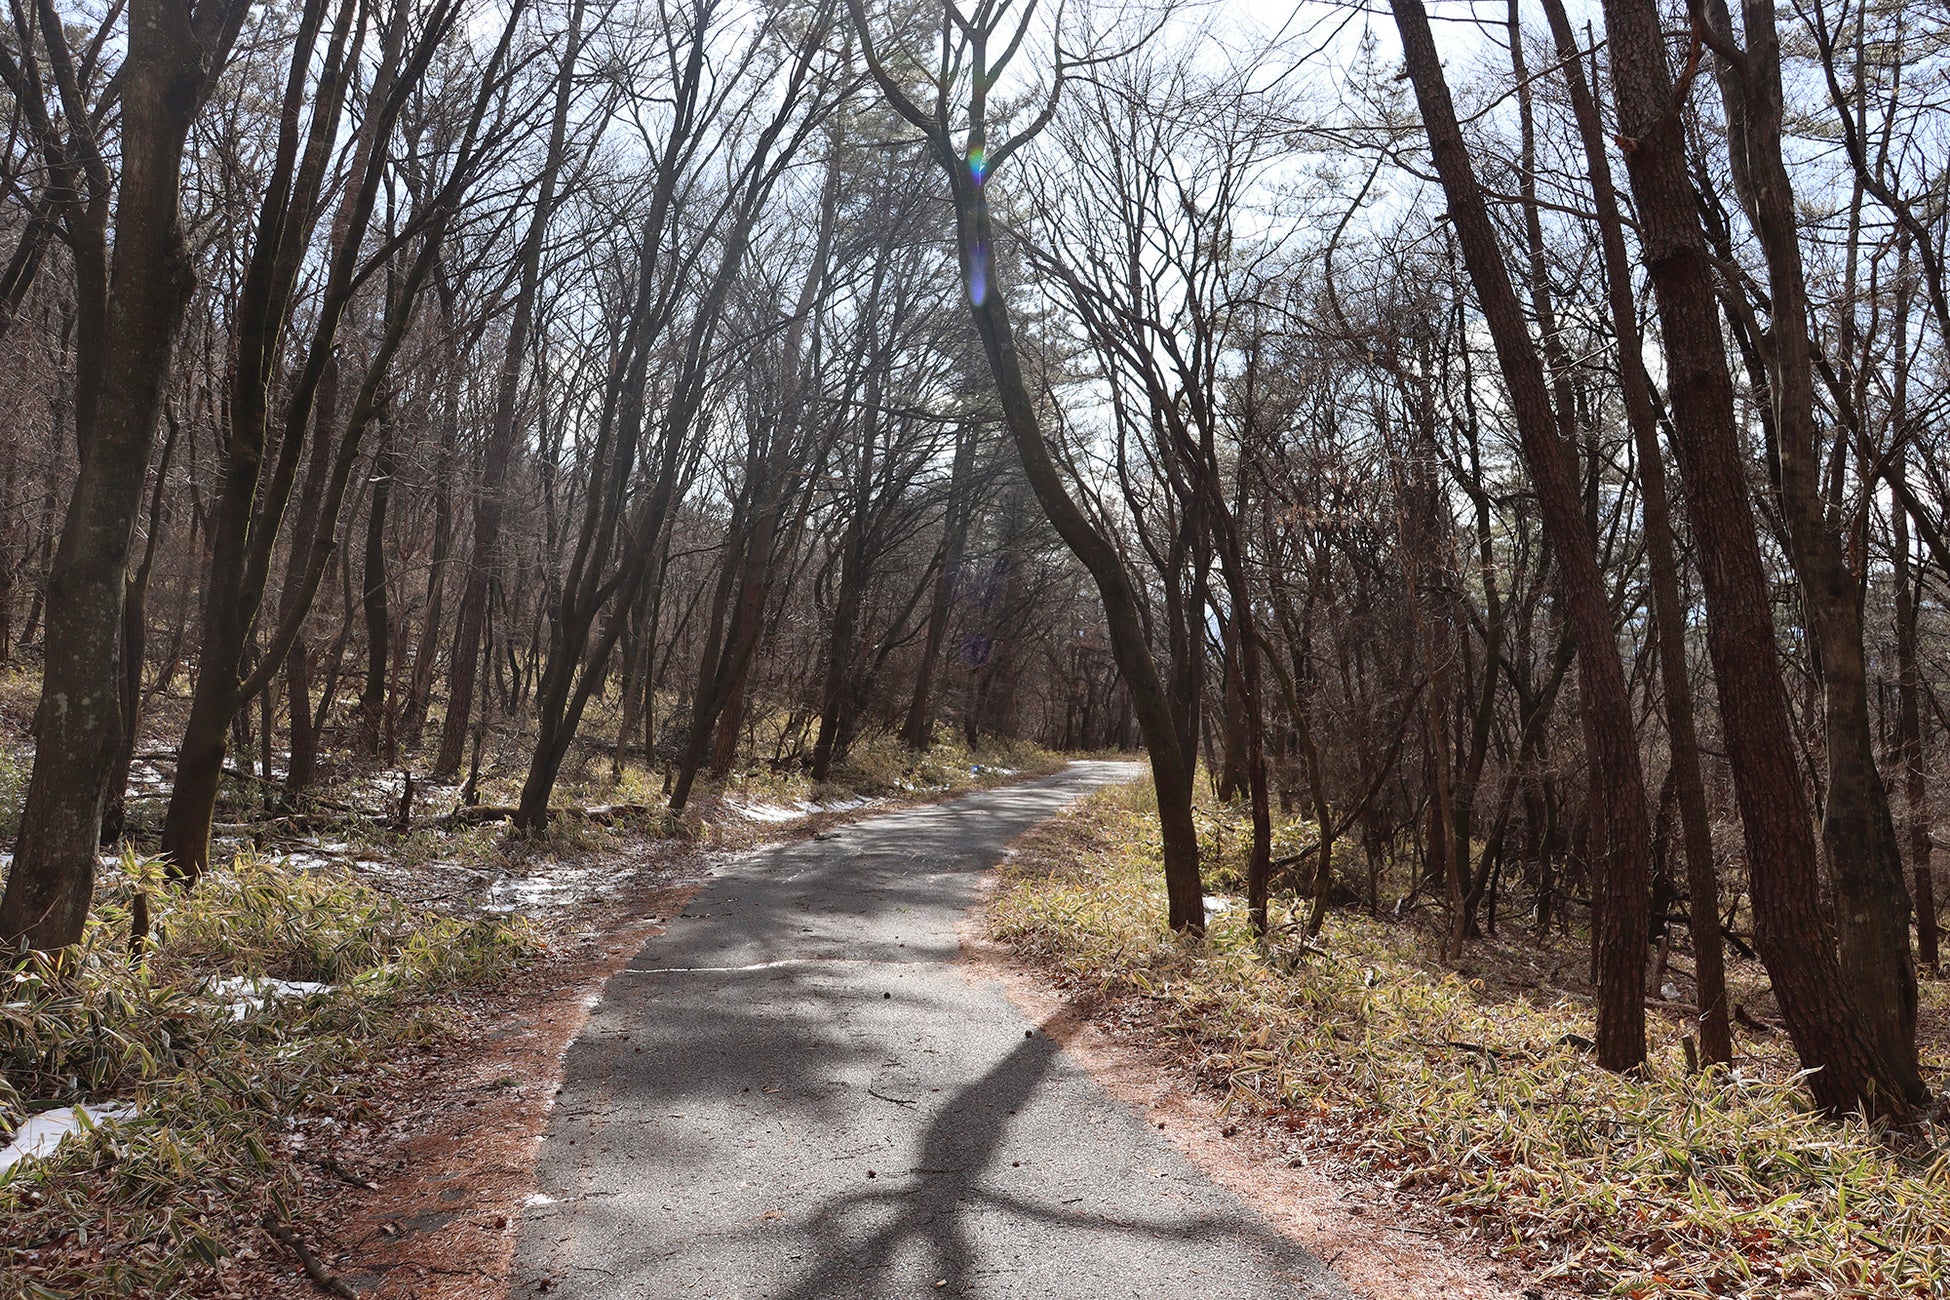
(1872, 906)
(1669, 612)
(1621, 884)
(1793, 934)
(175, 51)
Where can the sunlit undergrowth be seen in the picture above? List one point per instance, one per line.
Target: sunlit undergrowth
(1677, 1186)
(880, 767)
(226, 1079)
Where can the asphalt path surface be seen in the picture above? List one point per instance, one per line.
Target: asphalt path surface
(798, 1093)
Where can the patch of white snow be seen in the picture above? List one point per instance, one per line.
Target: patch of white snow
(765, 812)
(840, 805)
(247, 993)
(37, 1137)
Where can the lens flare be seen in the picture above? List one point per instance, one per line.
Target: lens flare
(978, 273)
(978, 164)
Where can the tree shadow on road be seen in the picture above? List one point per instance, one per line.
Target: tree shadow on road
(954, 1188)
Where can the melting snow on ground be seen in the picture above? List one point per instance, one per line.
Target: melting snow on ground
(146, 778)
(315, 857)
(764, 812)
(247, 993)
(840, 805)
(38, 1135)
(557, 885)
(758, 811)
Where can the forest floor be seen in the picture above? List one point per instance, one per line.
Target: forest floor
(1458, 1103)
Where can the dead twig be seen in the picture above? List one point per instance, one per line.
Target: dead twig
(1753, 1022)
(344, 1175)
(325, 1281)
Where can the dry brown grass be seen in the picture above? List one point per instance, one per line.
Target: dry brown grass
(1725, 1184)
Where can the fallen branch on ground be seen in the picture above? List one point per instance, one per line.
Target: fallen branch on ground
(326, 1281)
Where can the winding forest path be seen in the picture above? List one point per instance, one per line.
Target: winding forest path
(799, 1093)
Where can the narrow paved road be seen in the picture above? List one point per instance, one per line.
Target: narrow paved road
(797, 1094)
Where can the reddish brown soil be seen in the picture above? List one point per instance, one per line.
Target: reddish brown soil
(453, 1158)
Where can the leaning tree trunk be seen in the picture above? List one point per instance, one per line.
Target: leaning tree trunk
(1669, 612)
(1872, 905)
(1621, 886)
(969, 169)
(1172, 768)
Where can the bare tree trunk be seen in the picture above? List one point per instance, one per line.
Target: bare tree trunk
(968, 169)
(375, 733)
(1872, 903)
(843, 633)
(411, 724)
(24, 264)
(1669, 613)
(1910, 745)
(1792, 933)
(1621, 886)
(737, 623)
(135, 631)
(918, 730)
(172, 58)
(303, 764)
(10, 538)
(1909, 685)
